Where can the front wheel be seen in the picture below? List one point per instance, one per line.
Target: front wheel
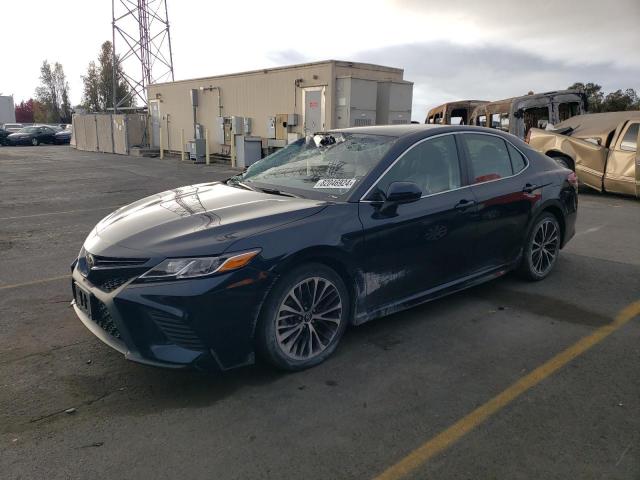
(303, 318)
(541, 249)
(35, 142)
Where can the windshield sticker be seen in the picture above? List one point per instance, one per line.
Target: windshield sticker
(335, 183)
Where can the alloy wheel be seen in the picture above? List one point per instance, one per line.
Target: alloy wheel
(34, 142)
(309, 318)
(544, 248)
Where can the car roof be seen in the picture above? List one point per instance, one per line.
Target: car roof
(422, 130)
(389, 130)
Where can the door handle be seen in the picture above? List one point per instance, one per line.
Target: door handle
(464, 204)
(529, 188)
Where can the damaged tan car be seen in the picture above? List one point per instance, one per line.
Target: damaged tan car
(602, 148)
(453, 113)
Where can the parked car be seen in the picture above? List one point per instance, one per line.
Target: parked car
(453, 113)
(602, 148)
(335, 229)
(13, 127)
(63, 136)
(32, 136)
(3, 136)
(517, 115)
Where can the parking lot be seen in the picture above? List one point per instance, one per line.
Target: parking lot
(394, 385)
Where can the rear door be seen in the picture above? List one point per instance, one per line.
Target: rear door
(504, 196)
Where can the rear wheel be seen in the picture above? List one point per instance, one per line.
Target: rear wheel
(541, 250)
(303, 318)
(35, 142)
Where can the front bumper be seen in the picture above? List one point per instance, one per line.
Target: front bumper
(206, 323)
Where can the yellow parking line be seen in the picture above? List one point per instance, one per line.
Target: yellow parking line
(455, 432)
(34, 282)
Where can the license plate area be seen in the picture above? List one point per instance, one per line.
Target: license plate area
(82, 298)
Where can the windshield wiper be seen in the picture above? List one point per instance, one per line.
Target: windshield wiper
(274, 191)
(236, 183)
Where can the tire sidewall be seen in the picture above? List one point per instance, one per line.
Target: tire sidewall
(527, 266)
(267, 344)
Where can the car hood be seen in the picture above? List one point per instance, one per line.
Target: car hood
(203, 219)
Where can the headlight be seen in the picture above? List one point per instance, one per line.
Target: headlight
(179, 268)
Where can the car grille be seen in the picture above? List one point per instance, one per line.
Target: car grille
(109, 284)
(176, 331)
(102, 317)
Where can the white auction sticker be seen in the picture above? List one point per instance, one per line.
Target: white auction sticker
(335, 183)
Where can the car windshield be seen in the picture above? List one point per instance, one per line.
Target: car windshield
(329, 164)
(28, 130)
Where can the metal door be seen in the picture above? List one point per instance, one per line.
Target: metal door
(313, 109)
(155, 124)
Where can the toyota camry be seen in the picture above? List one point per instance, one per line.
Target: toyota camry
(334, 230)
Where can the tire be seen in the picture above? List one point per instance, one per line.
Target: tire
(541, 250)
(288, 319)
(35, 142)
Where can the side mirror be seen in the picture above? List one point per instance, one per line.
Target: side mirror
(403, 192)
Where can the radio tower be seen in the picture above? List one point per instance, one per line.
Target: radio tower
(142, 40)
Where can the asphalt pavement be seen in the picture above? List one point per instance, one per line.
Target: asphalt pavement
(70, 407)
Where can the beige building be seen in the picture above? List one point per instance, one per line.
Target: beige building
(277, 105)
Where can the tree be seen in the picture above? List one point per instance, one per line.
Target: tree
(53, 93)
(24, 111)
(622, 100)
(40, 112)
(90, 96)
(617, 101)
(594, 94)
(98, 82)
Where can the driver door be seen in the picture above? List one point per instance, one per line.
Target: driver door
(419, 246)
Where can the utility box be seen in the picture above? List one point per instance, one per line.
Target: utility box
(219, 134)
(271, 127)
(237, 125)
(356, 101)
(394, 102)
(248, 150)
(292, 119)
(196, 149)
(246, 125)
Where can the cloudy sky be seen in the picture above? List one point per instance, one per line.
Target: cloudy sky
(451, 50)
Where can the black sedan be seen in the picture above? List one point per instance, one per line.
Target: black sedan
(3, 136)
(63, 136)
(334, 230)
(32, 136)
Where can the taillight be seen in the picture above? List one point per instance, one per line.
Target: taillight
(572, 178)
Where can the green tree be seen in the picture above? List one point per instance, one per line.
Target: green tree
(98, 82)
(621, 100)
(594, 93)
(90, 95)
(53, 93)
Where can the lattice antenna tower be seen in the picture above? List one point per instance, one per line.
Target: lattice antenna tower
(142, 43)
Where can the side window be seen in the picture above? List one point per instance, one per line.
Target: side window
(517, 160)
(504, 122)
(495, 120)
(482, 121)
(630, 140)
(433, 165)
(489, 157)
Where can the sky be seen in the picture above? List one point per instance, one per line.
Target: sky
(452, 50)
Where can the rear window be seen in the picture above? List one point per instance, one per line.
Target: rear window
(489, 157)
(518, 161)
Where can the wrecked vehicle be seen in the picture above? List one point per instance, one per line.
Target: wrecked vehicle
(518, 114)
(602, 148)
(335, 229)
(453, 113)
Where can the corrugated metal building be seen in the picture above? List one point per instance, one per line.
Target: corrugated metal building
(278, 104)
